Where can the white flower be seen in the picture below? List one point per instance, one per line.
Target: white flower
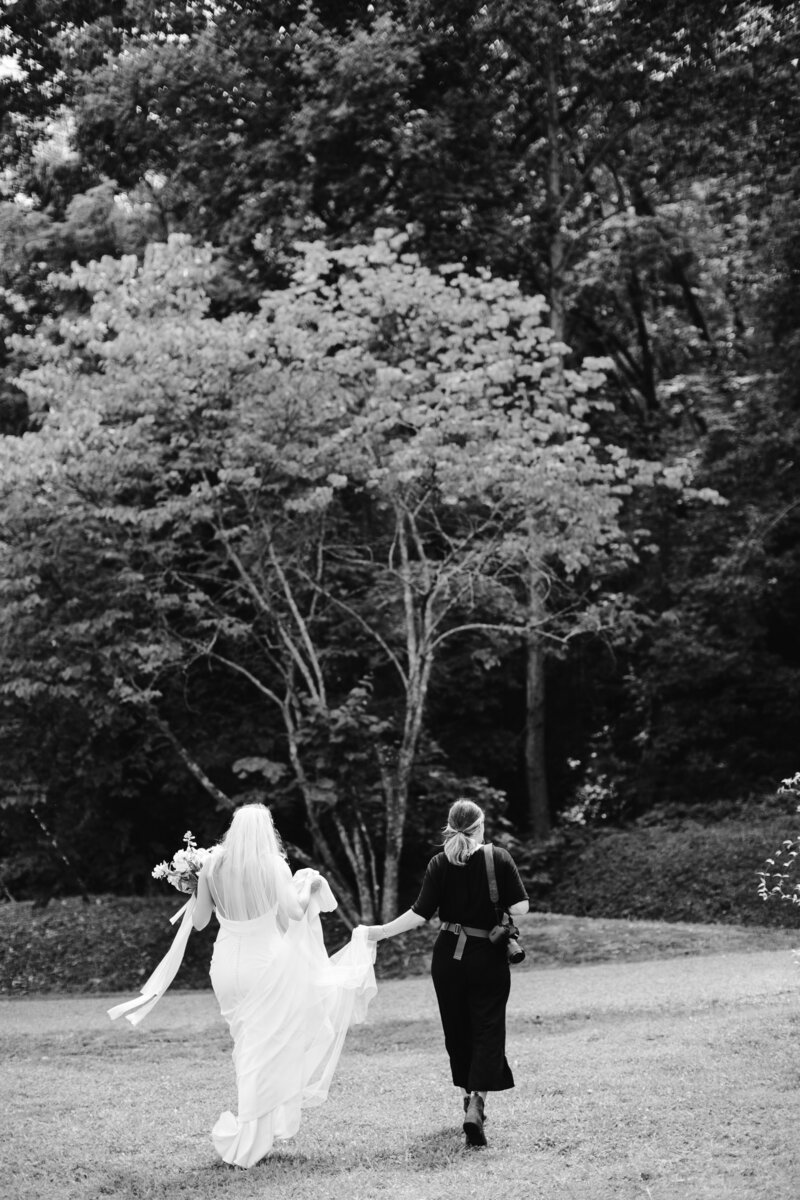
(183, 869)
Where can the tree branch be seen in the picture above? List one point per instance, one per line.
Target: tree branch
(521, 631)
(368, 629)
(305, 637)
(217, 794)
(256, 682)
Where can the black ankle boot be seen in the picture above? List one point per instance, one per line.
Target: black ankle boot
(473, 1121)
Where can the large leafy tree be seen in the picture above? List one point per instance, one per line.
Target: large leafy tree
(584, 147)
(317, 497)
(633, 161)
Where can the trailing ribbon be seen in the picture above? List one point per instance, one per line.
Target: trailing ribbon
(152, 991)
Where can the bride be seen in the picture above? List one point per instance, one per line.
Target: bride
(287, 1004)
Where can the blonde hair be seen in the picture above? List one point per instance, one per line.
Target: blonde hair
(244, 869)
(463, 821)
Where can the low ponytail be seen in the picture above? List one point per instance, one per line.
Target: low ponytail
(463, 822)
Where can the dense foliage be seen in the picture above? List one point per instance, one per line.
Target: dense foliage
(396, 400)
(681, 887)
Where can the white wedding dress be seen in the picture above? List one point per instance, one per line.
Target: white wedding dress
(288, 1006)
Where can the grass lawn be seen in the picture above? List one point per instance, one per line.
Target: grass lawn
(670, 1079)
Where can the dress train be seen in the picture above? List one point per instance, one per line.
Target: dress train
(288, 1006)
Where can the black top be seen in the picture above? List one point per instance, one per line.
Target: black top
(461, 894)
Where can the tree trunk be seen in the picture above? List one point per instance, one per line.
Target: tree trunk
(396, 810)
(348, 906)
(397, 787)
(556, 248)
(419, 620)
(648, 371)
(538, 799)
(539, 823)
(391, 876)
(353, 847)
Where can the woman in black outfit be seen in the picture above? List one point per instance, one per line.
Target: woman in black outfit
(470, 974)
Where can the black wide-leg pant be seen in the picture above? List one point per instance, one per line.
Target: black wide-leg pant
(472, 993)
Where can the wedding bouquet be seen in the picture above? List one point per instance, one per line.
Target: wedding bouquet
(184, 867)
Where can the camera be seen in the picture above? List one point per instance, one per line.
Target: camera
(508, 935)
(515, 951)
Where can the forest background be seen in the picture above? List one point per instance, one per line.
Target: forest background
(398, 401)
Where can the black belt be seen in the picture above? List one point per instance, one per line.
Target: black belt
(463, 932)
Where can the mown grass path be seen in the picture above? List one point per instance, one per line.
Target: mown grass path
(673, 1080)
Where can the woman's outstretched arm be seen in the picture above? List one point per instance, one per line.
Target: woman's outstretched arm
(402, 924)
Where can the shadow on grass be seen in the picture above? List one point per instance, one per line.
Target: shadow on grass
(378, 1039)
(217, 1179)
(434, 1151)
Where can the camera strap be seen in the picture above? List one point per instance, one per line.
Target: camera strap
(488, 854)
(503, 918)
(494, 895)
